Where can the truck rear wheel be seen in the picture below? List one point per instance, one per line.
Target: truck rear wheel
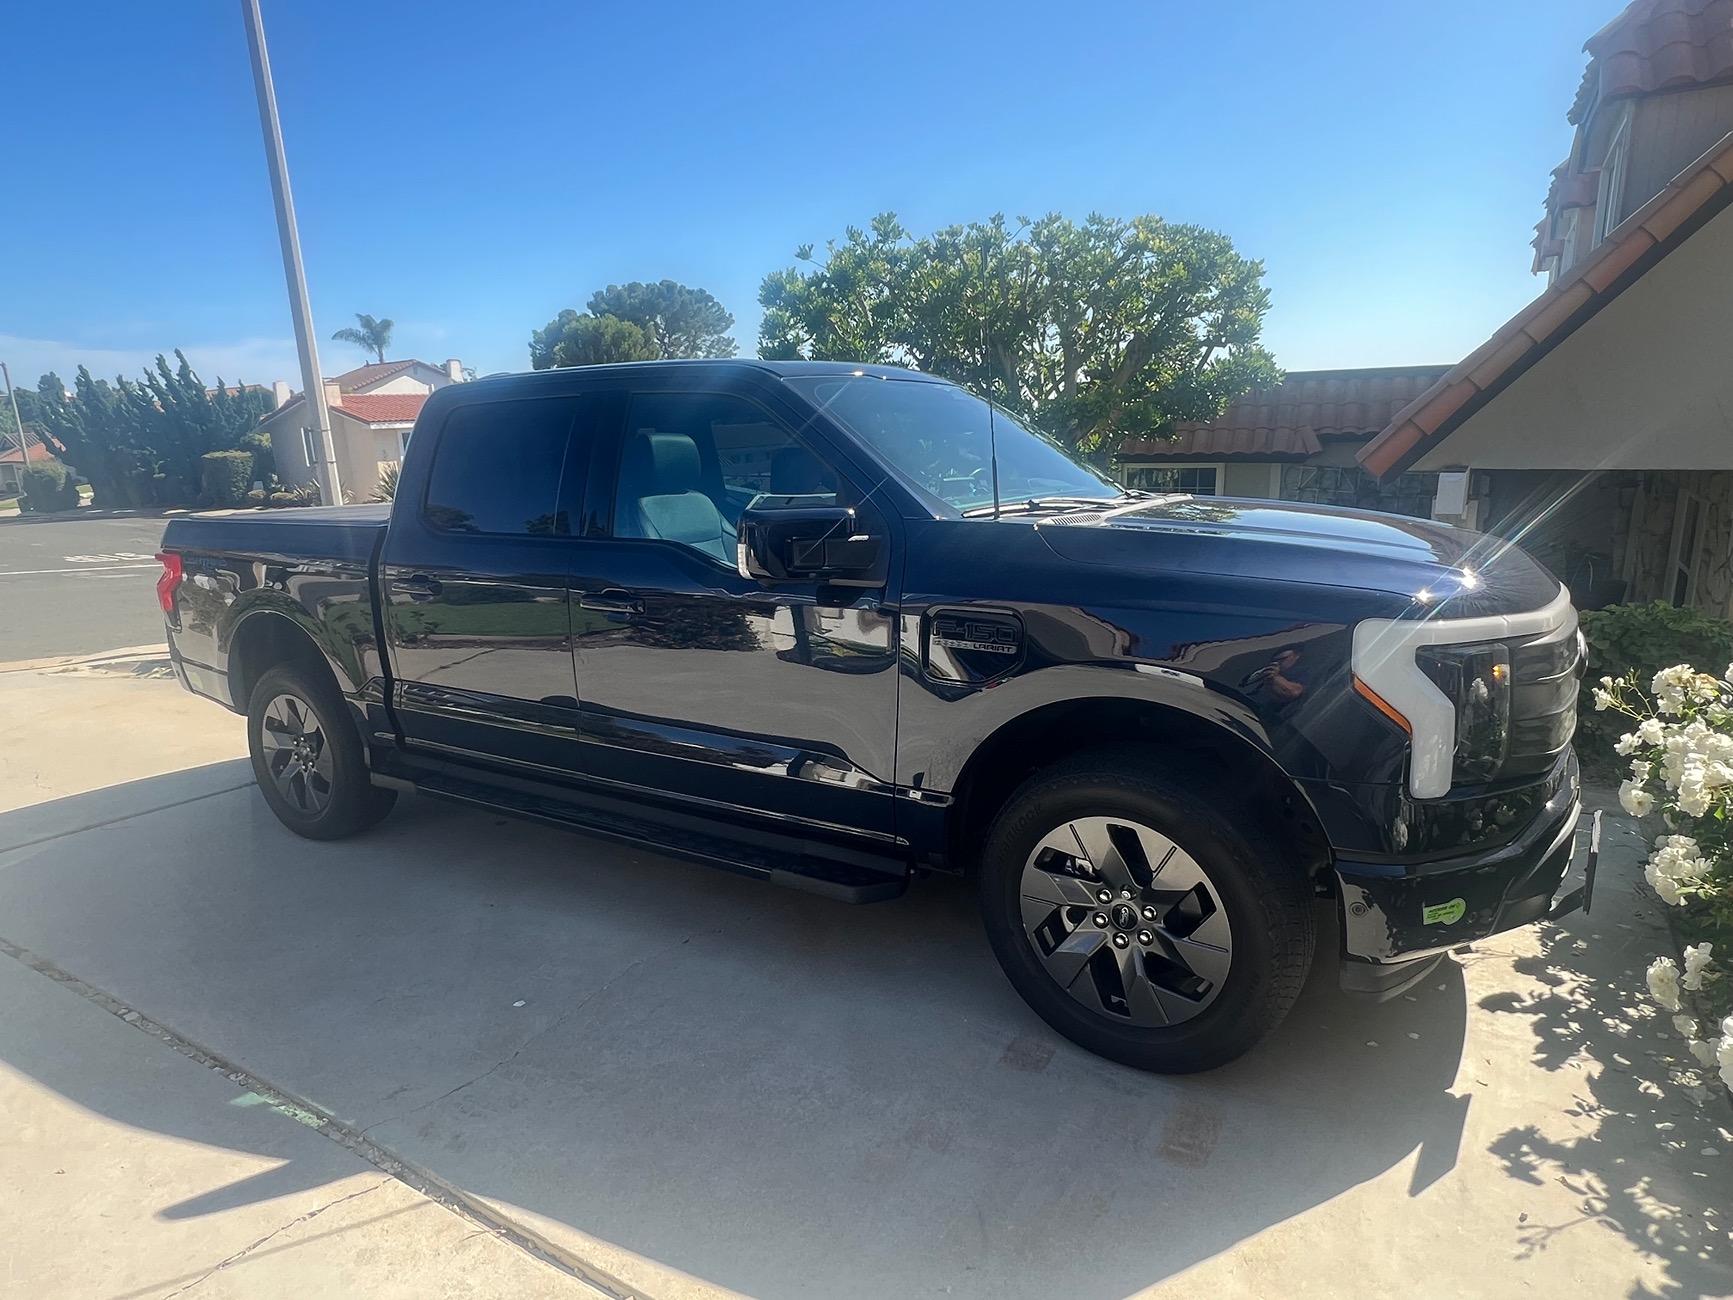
(307, 757)
(1143, 914)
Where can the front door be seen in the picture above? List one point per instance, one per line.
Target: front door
(772, 701)
(474, 578)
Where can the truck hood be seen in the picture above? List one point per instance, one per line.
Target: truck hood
(1426, 565)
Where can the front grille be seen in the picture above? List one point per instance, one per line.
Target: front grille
(1544, 674)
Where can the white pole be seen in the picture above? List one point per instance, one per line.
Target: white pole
(330, 490)
(17, 420)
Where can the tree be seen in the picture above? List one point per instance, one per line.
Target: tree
(679, 320)
(370, 335)
(635, 322)
(1091, 331)
(571, 339)
(89, 431)
(121, 435)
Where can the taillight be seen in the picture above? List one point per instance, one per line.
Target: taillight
(169, 582)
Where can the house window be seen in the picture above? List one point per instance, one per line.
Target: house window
(1199, 480)
(1686, 556)
(1610, 203)
(1349, 485)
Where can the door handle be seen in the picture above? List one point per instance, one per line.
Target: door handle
(611, 600)
(418, 586)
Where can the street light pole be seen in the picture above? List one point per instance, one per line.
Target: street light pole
(330, 490)
(17, 420)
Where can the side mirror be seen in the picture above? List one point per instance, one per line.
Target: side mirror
(794, 539)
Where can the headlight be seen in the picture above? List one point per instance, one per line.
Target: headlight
(1476, 678)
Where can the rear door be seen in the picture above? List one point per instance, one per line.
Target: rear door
(474, 581)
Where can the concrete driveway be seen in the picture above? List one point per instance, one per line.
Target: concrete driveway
(678, 1082)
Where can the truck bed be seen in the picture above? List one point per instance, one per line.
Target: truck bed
(334, 533)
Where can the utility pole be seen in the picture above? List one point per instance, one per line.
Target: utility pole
(17, 421)
(324, 455)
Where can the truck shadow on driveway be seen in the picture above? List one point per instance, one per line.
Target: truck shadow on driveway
(663, 1067)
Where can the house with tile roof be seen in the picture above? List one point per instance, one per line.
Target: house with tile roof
(1295, 440)
(373, 407)
(12, 462)
(1596, 426)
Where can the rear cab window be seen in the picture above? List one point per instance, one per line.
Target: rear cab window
(498, 468)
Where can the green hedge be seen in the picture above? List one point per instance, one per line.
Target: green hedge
(1642, 639)
(48, 488)
(225, 477)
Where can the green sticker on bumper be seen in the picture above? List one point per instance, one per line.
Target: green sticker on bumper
(1443, 913)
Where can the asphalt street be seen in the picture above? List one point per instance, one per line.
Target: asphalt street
(77, 586)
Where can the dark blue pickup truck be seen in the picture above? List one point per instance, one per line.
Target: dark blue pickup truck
(836, 625)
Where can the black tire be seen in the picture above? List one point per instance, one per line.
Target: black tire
(334, 797)
(1248, 881)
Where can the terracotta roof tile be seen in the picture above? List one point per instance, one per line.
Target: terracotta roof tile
(1571, 299)
(34, 452)
(1287, 420)
(381, 408)
(1654, 45)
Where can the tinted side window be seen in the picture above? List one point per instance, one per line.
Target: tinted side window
(497, 468)
(692, 462)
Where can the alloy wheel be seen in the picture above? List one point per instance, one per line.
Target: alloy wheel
(296, 754)
(1126, 921)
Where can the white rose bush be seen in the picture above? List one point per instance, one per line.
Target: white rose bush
(1681, 753)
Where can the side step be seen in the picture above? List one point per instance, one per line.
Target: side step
(838, 873)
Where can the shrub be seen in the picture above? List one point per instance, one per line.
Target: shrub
(1681, 754)
(283, 499)
(1638, 641)
(48, 488)
(305, 494)
(264, 458)
(169, 490)
(225, 477)
(257, 496)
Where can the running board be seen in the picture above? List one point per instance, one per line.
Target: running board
(781, 859)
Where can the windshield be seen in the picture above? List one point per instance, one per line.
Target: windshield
(936, 434)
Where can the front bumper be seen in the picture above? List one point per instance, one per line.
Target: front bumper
(1404, 912)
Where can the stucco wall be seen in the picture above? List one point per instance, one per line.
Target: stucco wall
(406, 383)
(1644, 384)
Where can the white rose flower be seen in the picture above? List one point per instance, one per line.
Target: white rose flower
(1627, 745)
(1651, 731)
(1635, 800)
(1686, 1025)
(1724, 1052)
(1698, 960)
(1663, 977)
(1669, 686)
(1603, 701)
(1640, 770)
(1676, 865)
(1703, 1050)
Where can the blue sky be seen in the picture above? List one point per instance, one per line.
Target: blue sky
(471, 169)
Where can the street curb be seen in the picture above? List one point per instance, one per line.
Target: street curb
(126, 654)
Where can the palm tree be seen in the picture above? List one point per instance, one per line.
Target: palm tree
(373, 335)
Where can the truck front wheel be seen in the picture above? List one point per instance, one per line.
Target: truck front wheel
(307, 757)
(1144, 913)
